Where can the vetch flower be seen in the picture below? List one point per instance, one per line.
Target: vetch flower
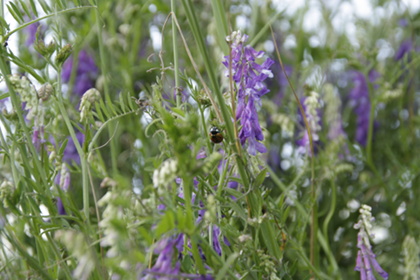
(85, 74)
(311, 105)
(282, 82)
(248, 76)
(168, 265)
(411, 253)
(405, 47)
(360, 100)
(366, 259)
(165, 174)
(70, 153)
(88, 99)
(63, 180)
(333, 113)
(31, 31)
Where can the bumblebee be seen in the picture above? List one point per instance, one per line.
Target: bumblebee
(216, 135)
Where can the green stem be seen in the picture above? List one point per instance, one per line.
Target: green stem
(104, 70)
(314, 214)
(190, 223)
(5, 70)
(6, 37)
(216, 89)
(203, 122)
(175, 50)
(11, 152)
(325, 240)
(82, 154)
(369, 158)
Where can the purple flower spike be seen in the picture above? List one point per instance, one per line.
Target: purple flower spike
(404, 48)
(366, 259)
(168, 265)
(31, 33)
(361, 103)
(60, 207)
(70, 153)
(282, 82)
(249, 77)
(163, 267)
(86, 73)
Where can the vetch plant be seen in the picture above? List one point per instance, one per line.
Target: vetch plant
(366, 261)
(131, 148)
(249, 77)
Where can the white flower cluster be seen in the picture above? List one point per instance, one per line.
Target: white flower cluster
(165, 174)
(366, 219)
(411, 252)
(88, 99)
(312, 103)
(77, 245)
(111, 213)
(366, 259)
(237, 37)
(28, 95)
(284, 122)
(64, 178)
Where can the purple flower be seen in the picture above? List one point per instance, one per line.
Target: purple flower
(366, 259)
(216, 240)
(164, 267)
(283, 83)
(31, 33)
(405, 47)
(70, 153)
(168, 265)
(403, 22)
(359, 96)
(60, 207)
(63, 180)
(248, 76)
(38, 136)
(86, 73)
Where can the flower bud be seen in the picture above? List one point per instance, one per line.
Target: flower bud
(40, 45)
(45, 91)
(88, 99)
(63, 54)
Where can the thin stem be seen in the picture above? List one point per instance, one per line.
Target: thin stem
(314, 215)
(369, 158)
(327, 220)
(175, 50)
(6, 37)
(82, 154)
(233, 102)
(104, 70)
(190, 225)
(205, 87)
(203, 122)
(18, 109)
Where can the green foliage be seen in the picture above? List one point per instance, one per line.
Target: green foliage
(96, 184)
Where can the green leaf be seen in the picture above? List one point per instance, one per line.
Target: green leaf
(33, 6)
(25, 8)
(45, 6)
(227, 265)
(260, 178)
(15, 12)
(167, 223)
(221, 24)
(239, 210)
(269, 239)
(4, 95)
